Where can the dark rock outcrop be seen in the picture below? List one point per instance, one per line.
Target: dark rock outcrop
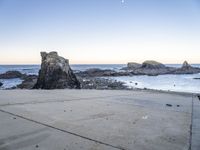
(150, 64)
(1, 84)
(133, 65)
(94, 72)
(55, 73)
(196, 78)
(187, 69)
(186, 65)
(101, 73)
(150, 68)
(12, 75)
(29, 82)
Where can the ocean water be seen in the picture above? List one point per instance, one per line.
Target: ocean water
(180, 83)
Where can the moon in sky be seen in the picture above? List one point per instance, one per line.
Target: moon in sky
(123, 1)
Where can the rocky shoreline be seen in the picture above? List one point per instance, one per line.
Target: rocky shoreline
(101, 84)
(55, 73)
(29, 82)
(150, 68)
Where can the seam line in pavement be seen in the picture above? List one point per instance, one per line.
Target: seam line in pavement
(65, 131)
(55, 101)
(82, 99)
(190, 140)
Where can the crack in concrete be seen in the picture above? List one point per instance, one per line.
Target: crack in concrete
(65, 131)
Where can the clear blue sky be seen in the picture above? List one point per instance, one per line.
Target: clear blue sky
(100, 31)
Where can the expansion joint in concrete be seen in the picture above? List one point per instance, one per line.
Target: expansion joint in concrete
(61, 130)
(191, 125)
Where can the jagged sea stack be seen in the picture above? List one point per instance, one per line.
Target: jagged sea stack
(186, 65)
(55, 73)
(187, 69)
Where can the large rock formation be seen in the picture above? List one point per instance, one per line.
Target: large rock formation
(187, 69)
(55, 73)
(152, 68)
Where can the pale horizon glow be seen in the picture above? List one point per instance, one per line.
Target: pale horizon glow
(100, 32)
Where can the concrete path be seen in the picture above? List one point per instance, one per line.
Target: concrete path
(98, 120)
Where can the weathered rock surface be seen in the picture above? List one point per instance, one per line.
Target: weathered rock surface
(152, 68)
(1, 84)
(133, 65)
(28, 82)
(150, 64)
(55, 73)
(187, 69)
(12, 75)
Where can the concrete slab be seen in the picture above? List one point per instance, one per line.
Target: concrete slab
(195, 139)
(35, 96)
(20, 134)
(123, 119)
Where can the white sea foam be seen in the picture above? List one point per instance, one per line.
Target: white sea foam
(10, 83)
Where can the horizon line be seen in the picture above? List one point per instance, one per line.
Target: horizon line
(97, 64)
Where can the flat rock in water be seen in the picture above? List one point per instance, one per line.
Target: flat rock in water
(1, 84)
(150, 64)
(12, 75)
(94, 72)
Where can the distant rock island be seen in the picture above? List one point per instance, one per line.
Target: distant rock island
(186, 69)
(149, 67)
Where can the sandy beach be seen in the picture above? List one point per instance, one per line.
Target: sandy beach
(98, 119)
